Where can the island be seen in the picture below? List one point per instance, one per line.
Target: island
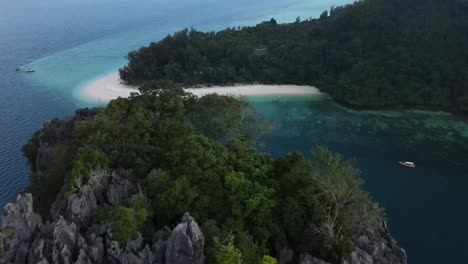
(169, 171)
(373, 54)
(165, 176)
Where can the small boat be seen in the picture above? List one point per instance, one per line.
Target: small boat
(407, 164)
(30, 70)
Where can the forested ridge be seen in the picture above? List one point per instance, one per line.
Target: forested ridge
(370, 54)
(183, 154)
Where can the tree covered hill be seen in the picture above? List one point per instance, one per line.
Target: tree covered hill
(107, 181)
(371, 54)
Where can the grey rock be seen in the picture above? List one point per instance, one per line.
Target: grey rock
(43, 261)
(135, 245)
(2, 245)
(120, 189)
(58, 207)
(130, 258)
(114, 250)
(64, 234)
(358, 256)
(147, 255)
(378, 246)
(36, 251)
(95, 251)
(83, 258)
(57, 242)
(18, 225)
(99, 182)
(185, 245)
(159, 247)
(82, 206)
(307, 259)
(364, 243)
(196, 236)
(22, 253)
(286, 256)
(62, 255)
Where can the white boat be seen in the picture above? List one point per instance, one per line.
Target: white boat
(30, 70)
(408, 164)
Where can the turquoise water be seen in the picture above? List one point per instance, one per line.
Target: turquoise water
(71, 43)
(426, 206)
(69, 70)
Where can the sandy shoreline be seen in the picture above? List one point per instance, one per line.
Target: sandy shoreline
(107, 88)
(110, 87)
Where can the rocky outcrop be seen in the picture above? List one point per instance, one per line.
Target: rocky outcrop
(307, 259)
(18, 226)
(376, 246)
(71, 234)
(120, 189)
(186, 243)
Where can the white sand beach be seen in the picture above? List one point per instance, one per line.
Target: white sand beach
(110, 87)
(256, 90)
(107, 88)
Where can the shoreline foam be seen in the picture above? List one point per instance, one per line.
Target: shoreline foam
(111, 87)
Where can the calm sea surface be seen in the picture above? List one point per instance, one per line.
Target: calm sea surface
(71, 43)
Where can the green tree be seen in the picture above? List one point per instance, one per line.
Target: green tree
(125, 221)
(227, 253)
(269, 260)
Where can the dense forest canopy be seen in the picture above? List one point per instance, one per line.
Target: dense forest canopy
(371, 54)
(191, 154)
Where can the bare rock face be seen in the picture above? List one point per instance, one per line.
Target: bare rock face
(159, 247)
(307, 259)
(57, 242)
(18, 226)
(71, 234)
(376, 246)
(358, 256)
(82, 207)
(120, 189)
(185, 245)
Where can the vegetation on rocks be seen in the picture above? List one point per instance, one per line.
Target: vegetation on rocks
(125, 221)
(190, 154)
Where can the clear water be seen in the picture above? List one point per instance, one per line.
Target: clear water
(426, 206)
(71, 43)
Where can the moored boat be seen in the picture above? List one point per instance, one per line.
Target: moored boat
(407, 164)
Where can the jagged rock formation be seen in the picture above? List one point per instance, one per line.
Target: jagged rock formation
(71, 234)
(185, 245)
(18, 226)
(376, 247)
(372, 248)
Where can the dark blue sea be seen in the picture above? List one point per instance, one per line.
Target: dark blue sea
(71, 43)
